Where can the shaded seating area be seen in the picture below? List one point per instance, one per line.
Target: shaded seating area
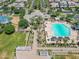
(59, 39)
(76, 16)
(76, 27)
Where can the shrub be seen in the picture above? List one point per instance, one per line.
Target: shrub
(9, 29)
(1, 30)
(23, 23)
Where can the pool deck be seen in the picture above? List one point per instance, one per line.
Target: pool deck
(49, 32)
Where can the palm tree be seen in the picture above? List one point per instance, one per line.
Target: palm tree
(36, 22)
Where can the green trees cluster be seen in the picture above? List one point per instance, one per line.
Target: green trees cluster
(20, 11)
(10, 1)
(36, 22)
(8, 28)
(23, 23)
(77, 10)
(55, 14)
(6, 9)
(13, 10)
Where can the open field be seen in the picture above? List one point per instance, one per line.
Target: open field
(8, 43)
(70, 56)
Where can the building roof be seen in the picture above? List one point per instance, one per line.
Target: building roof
(76, 16)
(29, 55)
(71, 3)
(77, 27)
(57, 0)
(63, 4)
(38, 13)
(20, 0)
(2, 0)
(43, 53)
(77, 4)
(54, 4)
(17, 4)
(67, 12)
(24, 48)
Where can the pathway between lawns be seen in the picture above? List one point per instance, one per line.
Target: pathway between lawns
(34, 47)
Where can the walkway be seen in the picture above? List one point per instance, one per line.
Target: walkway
(35, 41)
(34, 45)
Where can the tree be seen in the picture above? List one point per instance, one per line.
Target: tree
(30, 11)
(20, 11)
(12, 8)
(1, 30)
(23, 23)
(55, 14)
(36, 22)
(16, 11)
(69, 18)
(49, 11)
(62, 18)
(9, 29)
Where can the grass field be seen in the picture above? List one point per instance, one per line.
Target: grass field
(72, 56)
(8, 43)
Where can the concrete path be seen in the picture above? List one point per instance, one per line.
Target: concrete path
(34, 46)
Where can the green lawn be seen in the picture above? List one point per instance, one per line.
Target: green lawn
(59, 57)
(70, 56)
(8, 43)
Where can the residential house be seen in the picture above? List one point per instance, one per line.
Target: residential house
(17, 4)
(21, 0)
(63, 4)
(71, 3)
(54, 4)
(76, 26)
(77, 4)
(75, 0)
(2, 0)
(76, 17)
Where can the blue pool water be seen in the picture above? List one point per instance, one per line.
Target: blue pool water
(60, 30)
(4, 19)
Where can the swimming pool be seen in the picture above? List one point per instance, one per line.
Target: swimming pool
(60, 30)
(4, 19)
